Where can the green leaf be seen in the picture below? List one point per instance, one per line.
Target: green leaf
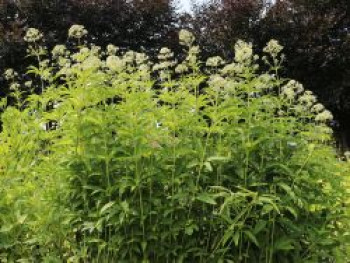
(260, 225)
(189, 230)
(206, 198)
(287, 189)
(106, 207)
(283, 244)
(251, 237)
(218, 159)
(292, 211)
(236, 237)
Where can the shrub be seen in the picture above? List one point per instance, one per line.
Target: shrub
(121, 160)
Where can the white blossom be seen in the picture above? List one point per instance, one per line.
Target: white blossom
(186, 38)
(324, 116)
(77, 31)
(59, 50)
(114, 63)
(347, 155)
(243, 52)
(181, 68)
(10, 74)
(273, 48)
(165, 54)
(217, 82)
(288, 93)
(92, 62)
(112, 49)
(317, 108)
(307, 98)
(83, 54)
(232, 69)
(215, 61)
(129, 57)
(28, 84)
(15, 86)
(141, 58)
(32, 35)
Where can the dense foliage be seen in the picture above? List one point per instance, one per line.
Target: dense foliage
(122, 160)
(315, 34)
(139, 25)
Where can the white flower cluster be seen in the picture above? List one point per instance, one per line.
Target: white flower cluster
(165, 54)
(217, 82)
(317, 108)
(265, 81)
(28, 84)
(347, 156)
(181, 68)
(273, 48)
(91, 62)
(216, 61)
(307, 99)
(77, 31)
(33, 35)
(81, 55)
(143, 65)
(233, 69)
(186, 38)
(243, 52)
(192, 56)
(10, 74)
(288, 93)
(129, 57)
(141, 59)
(163, 65)
(59, 50)
(324, 116)
(95, 50)
(112, 49)
(115, 63)
(15, 86)
(293, 88)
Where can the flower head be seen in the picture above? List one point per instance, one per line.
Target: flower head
(10, 74)
(243, 52)
(273, 48)
(77, 31)
(232, 69)
(83, 54)
(165, 54)
(308, 99)
(112, 49)
(217, 82)
(193, 54)
(15, 86)
(141, 58)
(114, 63)
(215, 61)
(324, 116)
(288, 93)
(92, 62)
(347, 155)
(186, 38)
(317, 108)
(28, 84)
(59, 50)
(181, 68)
(32, 35)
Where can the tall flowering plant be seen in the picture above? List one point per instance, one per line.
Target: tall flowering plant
(121, 159)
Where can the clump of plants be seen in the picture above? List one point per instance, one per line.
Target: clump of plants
(109, 157)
